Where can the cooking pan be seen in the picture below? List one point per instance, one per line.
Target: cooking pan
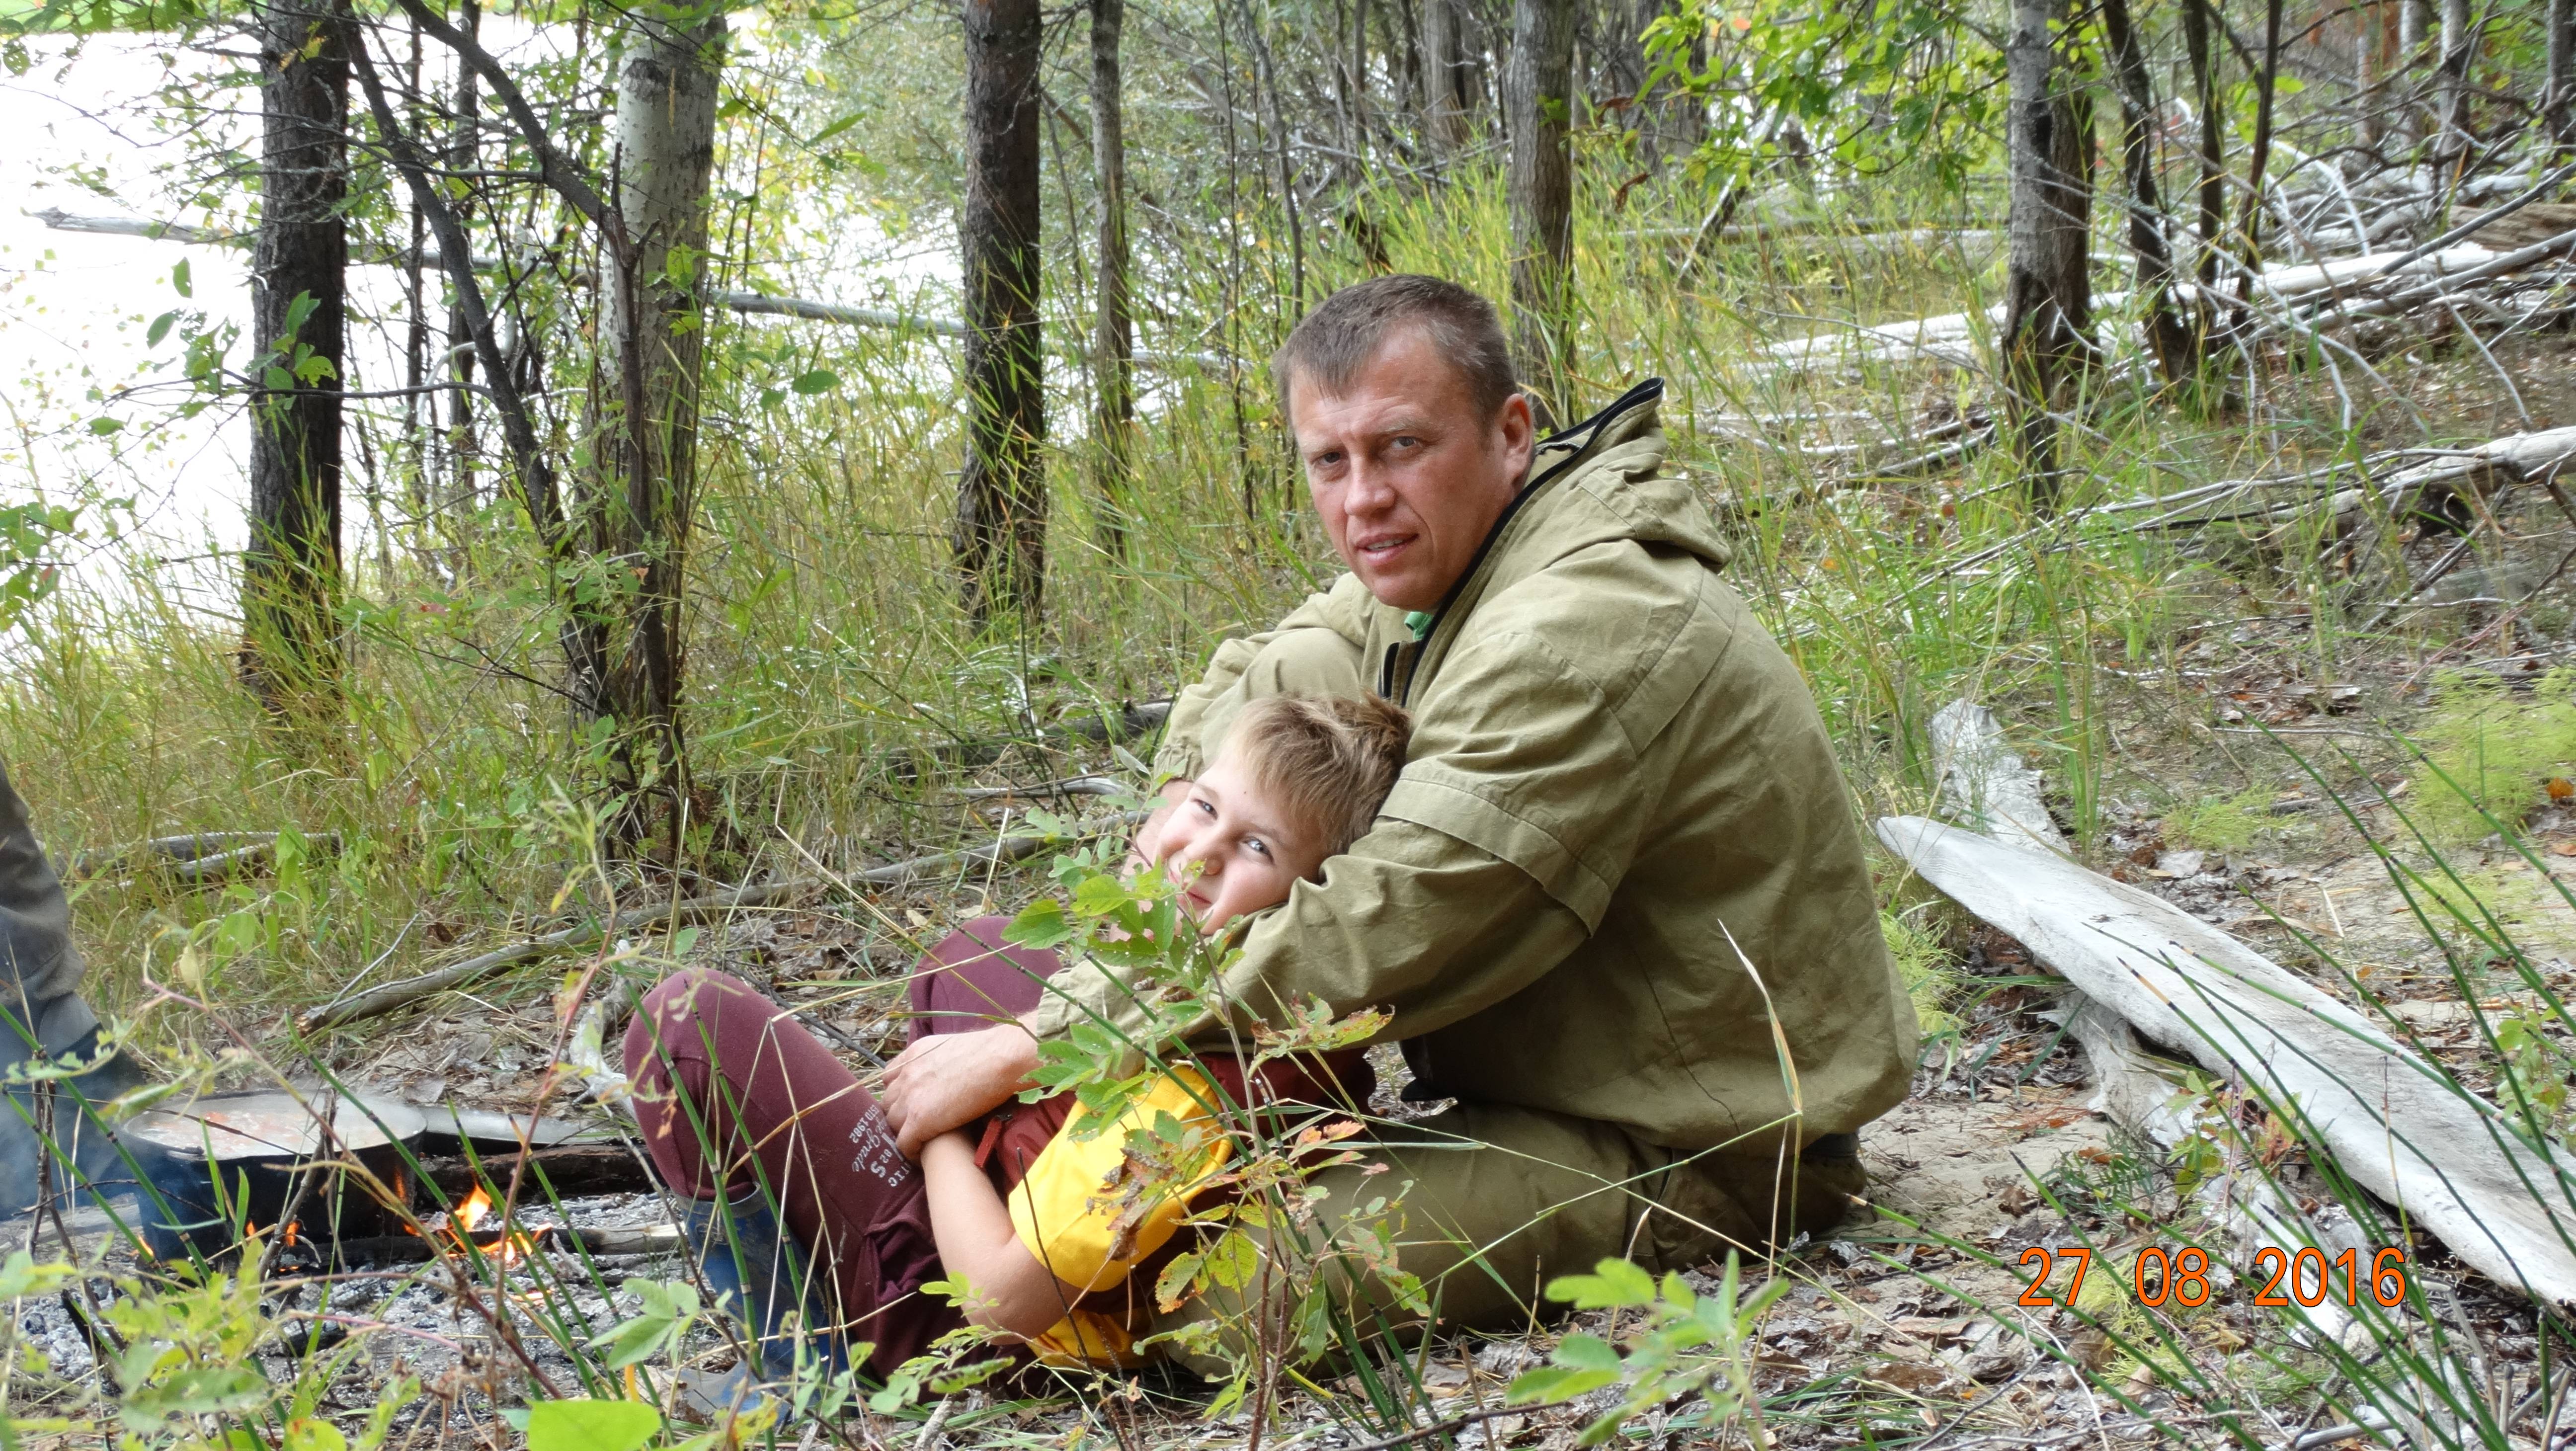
(278, 1160)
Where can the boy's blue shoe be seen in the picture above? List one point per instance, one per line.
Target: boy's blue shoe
(760, 1274)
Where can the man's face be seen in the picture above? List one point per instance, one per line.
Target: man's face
(1408, 478)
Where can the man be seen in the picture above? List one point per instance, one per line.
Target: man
(1616, 902)
(43, 1018)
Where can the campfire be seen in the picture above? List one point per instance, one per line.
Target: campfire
(361, 1183)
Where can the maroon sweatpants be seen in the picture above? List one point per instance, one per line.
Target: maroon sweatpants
(735, 1096)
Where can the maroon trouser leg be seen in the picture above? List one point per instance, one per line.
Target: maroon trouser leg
(736, 1098)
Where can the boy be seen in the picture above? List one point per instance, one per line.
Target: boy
(1009, 1212)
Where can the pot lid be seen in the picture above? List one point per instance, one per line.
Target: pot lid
(274, 1125)
(490, 1129)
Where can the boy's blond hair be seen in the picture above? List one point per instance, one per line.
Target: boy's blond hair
(1328, 762)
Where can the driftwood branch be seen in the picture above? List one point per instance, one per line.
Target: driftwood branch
(2394, 1124)
(377, 1001)
(206, 856)
(1983, 781)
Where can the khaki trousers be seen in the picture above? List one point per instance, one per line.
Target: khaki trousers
(1486, 1203)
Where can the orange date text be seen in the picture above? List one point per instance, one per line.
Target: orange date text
(2182, 1276)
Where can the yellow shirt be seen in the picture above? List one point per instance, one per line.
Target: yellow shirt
(1086, 1216)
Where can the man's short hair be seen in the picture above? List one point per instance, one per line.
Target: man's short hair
(1339, 337)
(1327, 761)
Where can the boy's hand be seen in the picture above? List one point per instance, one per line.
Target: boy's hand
(949, 1080)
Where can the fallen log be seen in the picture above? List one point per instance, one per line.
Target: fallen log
(376, 1001)
(193, 847)
(1131, 723)
(2394, 1124)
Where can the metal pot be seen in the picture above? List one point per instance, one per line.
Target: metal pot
(231, 1165)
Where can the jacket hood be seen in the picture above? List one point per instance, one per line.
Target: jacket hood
(1603, 480)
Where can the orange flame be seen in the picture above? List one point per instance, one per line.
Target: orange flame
(470, 1214)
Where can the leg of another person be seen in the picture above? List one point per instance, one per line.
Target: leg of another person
(737, 1099)
(1487, 1202)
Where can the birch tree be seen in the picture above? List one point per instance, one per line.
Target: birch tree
(652, 342)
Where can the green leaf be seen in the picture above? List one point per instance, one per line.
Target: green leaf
(160, 328)
(1233, 1260)
(1612, 1284)
(179, 279)
(1555, 1383)
(1041, 924)
(821, 380)
(1587, 1352)
(962, 1378)
(21, 1276)
(591, 1425)
(836, 128)
(105, 426)
(314, 1435)
(1176, 1281)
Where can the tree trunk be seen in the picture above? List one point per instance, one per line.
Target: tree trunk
(1113, 342)
(2559, 110)
(2167, 337)
(1000, 534)
(2258, 162)
(2414, 23)
(1537, 101)
(1444, 76)
(652, 342)
(2365, 72)
(2213, 154)
(299, 328)
(2048, 319)
(1357, 81)
(2452, 140)
(462, 153)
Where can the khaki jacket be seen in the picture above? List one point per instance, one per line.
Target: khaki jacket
(1620, 877)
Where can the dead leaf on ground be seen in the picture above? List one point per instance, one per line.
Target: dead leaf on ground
(1913, 1377)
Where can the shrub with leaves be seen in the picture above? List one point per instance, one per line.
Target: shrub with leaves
(1243, 1168)
(1686, 1343)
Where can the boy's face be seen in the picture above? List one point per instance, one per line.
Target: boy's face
(1231, 851)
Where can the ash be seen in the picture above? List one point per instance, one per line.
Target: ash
(471, 1334)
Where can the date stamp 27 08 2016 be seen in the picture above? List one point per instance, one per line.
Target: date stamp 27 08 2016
(2181, 1276)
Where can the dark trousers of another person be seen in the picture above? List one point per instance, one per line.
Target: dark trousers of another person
(737, 1099)
(49, 1141)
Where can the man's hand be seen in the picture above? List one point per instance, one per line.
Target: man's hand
(1145, 850)
(948, 1081)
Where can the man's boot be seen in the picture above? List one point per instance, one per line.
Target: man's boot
(761, 1276)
